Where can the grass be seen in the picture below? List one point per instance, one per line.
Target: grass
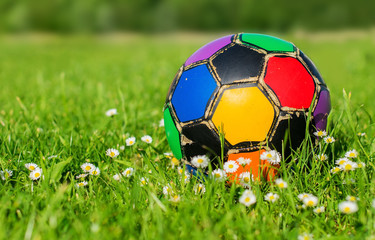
(53, 97)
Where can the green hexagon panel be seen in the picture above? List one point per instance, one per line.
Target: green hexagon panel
(173, 136)
(268, 43)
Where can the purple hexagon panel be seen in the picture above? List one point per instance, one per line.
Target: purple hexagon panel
(322, 110)
(207, 50)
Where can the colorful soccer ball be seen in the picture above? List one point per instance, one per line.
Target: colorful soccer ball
(242, 95)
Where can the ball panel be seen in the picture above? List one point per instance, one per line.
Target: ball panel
(209, 49)
(322, 109)
(193, 92)
(244, 114)
(203, 135)
(238, 62)
(314, 71)
(172, 133)
(290, 81)
(266, 42)
(260, 169)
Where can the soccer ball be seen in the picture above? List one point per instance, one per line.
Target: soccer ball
(242, 95)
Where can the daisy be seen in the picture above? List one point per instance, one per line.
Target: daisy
(247, 198)
(81, 184)
(243, 161)
(303, 196)
(351, 198)
(305, 236)
(329, 139)
(319, 209)
(176, 198)
(143, 181)
(219, 175)
(199, 189)
(322, 157)
(341, 161)
(186, 177)
(230, 166)
(271, 197)
(320, 133)
(36, 174)
(281, 183)
(349, 166)
(161, 122)
(117, 177)
(348, 207)
(361, 134)
(335, 170)
(95, 172)
(273, 157)
(130, 141)
(111, 152)
(81, 176)
(6, 174)
(200, 161)
(111, 112)
(361, 164)
(351, 154)
(128, 172)
(180, 170)
(246, 178)
(310, 201)
(167, 190)
(122, 147)
(87, 167)
(174, 162)
(31, 166)
(168, 155)
(146, 139)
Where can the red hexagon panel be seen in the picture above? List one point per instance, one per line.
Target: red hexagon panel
(290, 81)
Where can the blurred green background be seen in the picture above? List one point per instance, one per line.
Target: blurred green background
(93, 16)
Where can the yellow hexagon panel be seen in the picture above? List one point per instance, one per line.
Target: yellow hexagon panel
(244, 115)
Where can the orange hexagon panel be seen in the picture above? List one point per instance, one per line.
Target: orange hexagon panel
(260, 169)
(244, 115)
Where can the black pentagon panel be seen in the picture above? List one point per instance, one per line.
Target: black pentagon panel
(202, 135)
(312, 67)
(237, 63)
(290, 131)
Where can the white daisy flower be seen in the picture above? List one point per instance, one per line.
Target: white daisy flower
(147, 139)
(302, 196)
(351, 154)
(361, 134)
(231, 166)
(36, 174)
(306, 236)
(199, 189)
(361, 164)
(200, 161)
(273, 157)
(349, 166)
(6, 174)
(243, 161)
(310, 201)
(219, 175)
(322, 157)
(329, 139)
(31, 166)
(320, 133)
(111, 112)
(95, 172)
(130, 141)
(318, 210)
(143, 181)
(117, 177)
(167, 190)
(186, 177)
(128, 172)
(87, 167)
(281, 183)
(247, 198)
(111, 152)
(246, 178)
(176, 198)
(168, 154)
(81, 184)
(335, 170)
(180, 170)
(81, 176)
(271, 197)
(161, 122)
(122, 147)
(174, 162)
(348, 207)
(352, 198)
(341, 161)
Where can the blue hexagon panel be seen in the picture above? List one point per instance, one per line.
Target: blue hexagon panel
(193, 92)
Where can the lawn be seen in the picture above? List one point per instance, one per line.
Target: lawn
(55, 91)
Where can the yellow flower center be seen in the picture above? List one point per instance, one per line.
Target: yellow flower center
(348, 167)
(180, 170)
(247, 199)
(230, 166)
(269, 155)
(37, 174)
(351, 198)
(200, 160)
(246, 179)
(329, 140)
(32, 167)
(143, 182)
(272, 197)
(94, 172)
(351, 154)
(336, 169)
(127, 172)
(281, 185)
(131, 142)
(88, 168)
(175, 161)
(346, 209)
(310, 203)
(217, 175)
(80, 184)
(342, 162)
(175, 197)
(320, 133)
(112, 154)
